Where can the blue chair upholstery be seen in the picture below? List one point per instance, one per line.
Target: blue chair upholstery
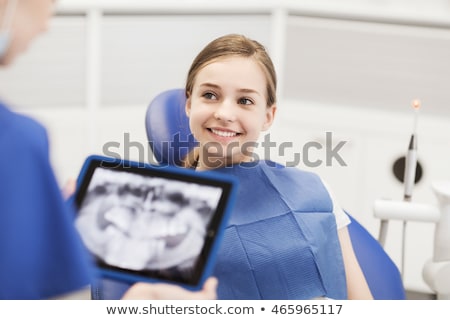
(382, 275)
(170, 139)
(168, 127)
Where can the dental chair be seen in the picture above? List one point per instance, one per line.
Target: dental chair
(170, 140)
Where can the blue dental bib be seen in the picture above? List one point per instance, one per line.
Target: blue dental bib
(281, 242)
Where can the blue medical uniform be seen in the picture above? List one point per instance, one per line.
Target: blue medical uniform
(41, 254)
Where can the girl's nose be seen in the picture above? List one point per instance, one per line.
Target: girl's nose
(225, 112)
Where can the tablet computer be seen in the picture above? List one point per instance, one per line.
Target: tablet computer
(142, 222)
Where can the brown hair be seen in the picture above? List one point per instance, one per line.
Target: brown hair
(235, 45)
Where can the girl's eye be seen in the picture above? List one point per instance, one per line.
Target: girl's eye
(209, 96)
(245, 101)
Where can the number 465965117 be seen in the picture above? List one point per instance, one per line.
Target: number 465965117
(307, 309)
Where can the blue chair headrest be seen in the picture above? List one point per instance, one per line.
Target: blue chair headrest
(167, 127)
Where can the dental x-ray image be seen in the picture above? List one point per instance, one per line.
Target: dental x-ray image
(151, 226)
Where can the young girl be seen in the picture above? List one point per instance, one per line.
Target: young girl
(286, 239)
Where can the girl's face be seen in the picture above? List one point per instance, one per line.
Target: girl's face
(228, 110)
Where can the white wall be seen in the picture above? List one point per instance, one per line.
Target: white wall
(351, 68)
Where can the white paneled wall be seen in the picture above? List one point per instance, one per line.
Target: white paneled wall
(155, 51)
(349, 67)
(379, 65)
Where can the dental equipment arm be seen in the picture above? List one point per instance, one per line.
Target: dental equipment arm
(436, 272)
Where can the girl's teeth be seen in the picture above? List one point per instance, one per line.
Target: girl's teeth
(224, 133)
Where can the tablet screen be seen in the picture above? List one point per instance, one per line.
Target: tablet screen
(150, 222)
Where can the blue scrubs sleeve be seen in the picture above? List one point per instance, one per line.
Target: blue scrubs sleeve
(41, 255)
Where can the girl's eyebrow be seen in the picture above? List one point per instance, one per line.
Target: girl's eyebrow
(207, 84)
(243, 90)
(249, 91)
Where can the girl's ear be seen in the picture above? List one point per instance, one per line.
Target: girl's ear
(270, 116)
(187, 106)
